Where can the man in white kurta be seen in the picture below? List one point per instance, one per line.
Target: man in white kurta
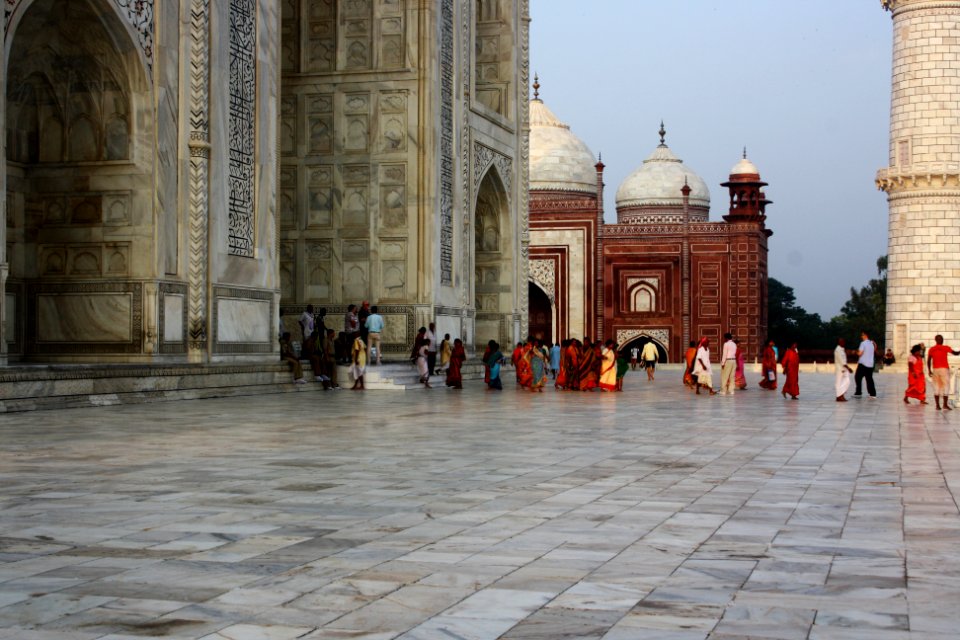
(702, 369)
(841, 370)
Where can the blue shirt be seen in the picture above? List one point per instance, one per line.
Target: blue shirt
(555, 356)
(374, 323)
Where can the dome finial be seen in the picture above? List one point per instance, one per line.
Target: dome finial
(744, 152)
(536, 86)
(663, 135)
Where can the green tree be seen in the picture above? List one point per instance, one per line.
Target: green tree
(866, 310)
(786, 321)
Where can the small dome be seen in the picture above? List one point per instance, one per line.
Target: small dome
(659, 180)
(559, 160)
(744, 168)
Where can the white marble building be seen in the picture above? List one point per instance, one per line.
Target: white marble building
(923, 179)
(175, 173)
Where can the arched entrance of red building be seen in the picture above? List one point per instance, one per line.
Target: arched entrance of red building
(541, 314)
(640, 342)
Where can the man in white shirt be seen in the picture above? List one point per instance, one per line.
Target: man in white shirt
(649, 357)
(866, 353)
(728, 365)
(307, 322)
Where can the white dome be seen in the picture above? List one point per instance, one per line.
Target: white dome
(744, 167)
(659, 180)
(559, 160)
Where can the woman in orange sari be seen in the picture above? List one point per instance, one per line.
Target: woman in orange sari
(589, 367)
(573, 365)
(690, 357)
(769, 367)
(561, 380)
(608, 366)
(916, 378)
(522, 363)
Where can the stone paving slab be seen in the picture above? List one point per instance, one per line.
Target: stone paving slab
(438, 514)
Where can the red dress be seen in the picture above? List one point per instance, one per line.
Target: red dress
(791, 373)
(916, 380)
(769, 367)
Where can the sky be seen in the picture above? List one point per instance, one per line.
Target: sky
(804, 86)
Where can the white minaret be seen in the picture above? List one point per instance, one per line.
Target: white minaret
(923, 180)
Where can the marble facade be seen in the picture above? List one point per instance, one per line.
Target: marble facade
(184, 171)
(922, 181)
(403, 166)
(139, 179)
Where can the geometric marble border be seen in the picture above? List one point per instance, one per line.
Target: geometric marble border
(242, 294)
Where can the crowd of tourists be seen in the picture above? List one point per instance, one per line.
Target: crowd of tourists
(586, 365)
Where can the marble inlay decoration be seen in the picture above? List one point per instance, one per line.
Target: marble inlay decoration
(138, 13)
(662, 336)
(242, 131)
(543, 273)
(483, 158)
(199, 174)
(446, 142)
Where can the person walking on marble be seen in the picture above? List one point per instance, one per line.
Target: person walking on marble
(374, 326)
(841, 371)
(431, 337)
(702, 370)
(916, 380)
(728, 365)
(791, 372)
(939, 367)
(866, 354)
(649, 358)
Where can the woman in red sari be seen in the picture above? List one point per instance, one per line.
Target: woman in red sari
(791, 372)
(769, 367)
(560, 381)
(457, 356)
(486, 367)
(589, 368)
(515, 358)
(916, 378)
(524, 372)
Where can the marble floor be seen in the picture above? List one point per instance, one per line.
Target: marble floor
(439, 515)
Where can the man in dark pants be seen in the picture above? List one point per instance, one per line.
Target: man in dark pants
(866, 353)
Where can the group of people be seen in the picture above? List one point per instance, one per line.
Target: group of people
(573, 364)
(937, 366)
(699, 371)
(452, 356)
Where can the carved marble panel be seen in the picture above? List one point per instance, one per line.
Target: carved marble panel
(393, 207)
(322, 45)
(288, 197)
(320, 196)
(288, 125)
(355, 206)
(116, 208)
(393, 279)
(318, 277)
(447, 74)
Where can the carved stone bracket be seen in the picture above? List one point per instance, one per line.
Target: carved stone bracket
(662, 336)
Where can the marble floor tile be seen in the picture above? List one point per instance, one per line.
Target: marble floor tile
(423, 516)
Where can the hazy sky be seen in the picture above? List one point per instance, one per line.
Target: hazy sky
(805, 86)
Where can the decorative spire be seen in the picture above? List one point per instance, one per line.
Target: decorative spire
(536, 86)
(663, 135)
(744, 152)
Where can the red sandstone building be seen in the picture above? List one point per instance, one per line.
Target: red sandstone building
(664, 272)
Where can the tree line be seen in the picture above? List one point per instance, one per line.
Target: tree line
(865, 311)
